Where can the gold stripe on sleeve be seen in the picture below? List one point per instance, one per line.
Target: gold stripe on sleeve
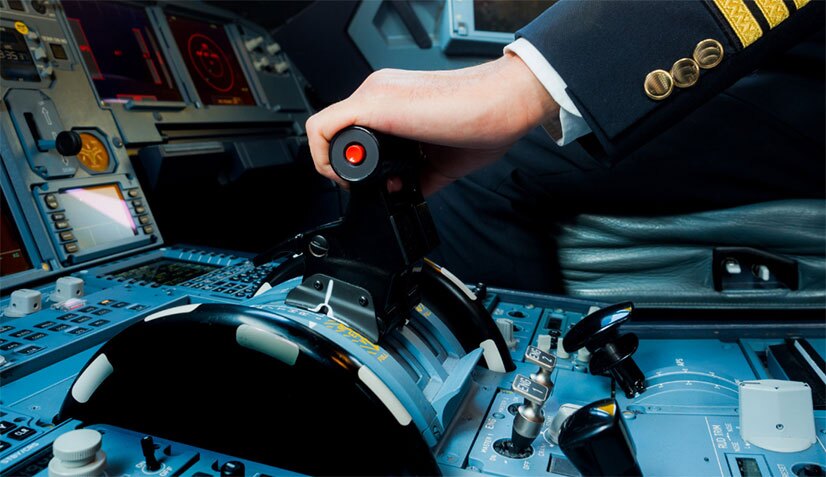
(800, 3)
(741, 20)
(775, 11)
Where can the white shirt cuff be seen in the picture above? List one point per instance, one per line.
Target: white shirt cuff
(570, 119)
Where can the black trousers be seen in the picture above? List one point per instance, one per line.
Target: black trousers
(762, 139)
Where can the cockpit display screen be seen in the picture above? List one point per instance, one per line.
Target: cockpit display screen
(506, 17)
(211, 62)
(15, 59)
(13, 256)
(121, 51)
(99, 215)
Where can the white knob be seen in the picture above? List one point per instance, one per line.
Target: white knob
(260, 63)
(560, 350)
(254, 43)
(77, 453)
(543, 342)
(39, 53)
(66, 288)
(281, 67)
(506, 328)
(46, 71)
(24, 302)
(273, 48)
(583, 355)
(32, 35)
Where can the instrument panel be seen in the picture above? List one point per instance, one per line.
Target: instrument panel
(87, 86)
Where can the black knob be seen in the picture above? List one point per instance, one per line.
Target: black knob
(68, 143)
(596, 440)
(232, 468)
(148, 451)
(810, 470)
(611, 352)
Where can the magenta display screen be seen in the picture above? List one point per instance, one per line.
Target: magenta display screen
(211, 61)
(98, 215)
(121, 51)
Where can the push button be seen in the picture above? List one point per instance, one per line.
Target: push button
(99, 323)
(61, 224)
(4, 446)
(71, 247)
(44, 325)
(57, 217)
(143, 219)
(6, 426)
(21, 333)
(78, 331)
(137, 203)
(10, 346)
(101, 312)
(82, 319)
(87, 309)
(140, 210)
(51, 201)
(354, 153)
(147, 229)
(60, 327)
(5, 328)
(67, 316)
(67, 236)
(29, 350)
(36, 336)
(21, 433)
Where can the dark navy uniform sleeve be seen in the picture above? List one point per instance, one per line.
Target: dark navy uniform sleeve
(633, 68)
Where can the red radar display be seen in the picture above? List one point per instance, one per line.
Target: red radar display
(211, 61)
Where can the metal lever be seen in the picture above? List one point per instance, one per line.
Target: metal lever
(546, 363)
(530, 417)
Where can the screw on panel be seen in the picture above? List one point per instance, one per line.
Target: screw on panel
(318, 285)
(363, 301)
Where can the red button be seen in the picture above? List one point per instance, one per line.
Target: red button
(354, 154)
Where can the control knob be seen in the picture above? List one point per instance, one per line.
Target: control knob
(596, 440)
(527, 423)
(78, 453)
(609, 351)
(67, 143)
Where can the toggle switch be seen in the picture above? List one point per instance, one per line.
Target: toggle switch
(546, 363)
(148, 451)
(67, 288)
(527, 424)
(24, 302)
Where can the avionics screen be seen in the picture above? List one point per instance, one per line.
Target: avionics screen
(98, 215)
(15, 60)
(121, 51)
(164, 271)
(211, 61)
(506, 16)
(13, 256)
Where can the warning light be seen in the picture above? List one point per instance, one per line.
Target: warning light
(354, 154)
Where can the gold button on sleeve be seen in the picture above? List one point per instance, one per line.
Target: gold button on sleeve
(685, 72)
(658, 84)
(708, 53)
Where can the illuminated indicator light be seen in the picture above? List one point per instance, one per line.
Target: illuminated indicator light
(609, 408)
(354, 154)
(21, 27)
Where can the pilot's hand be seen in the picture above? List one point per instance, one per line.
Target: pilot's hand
(465, 118)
